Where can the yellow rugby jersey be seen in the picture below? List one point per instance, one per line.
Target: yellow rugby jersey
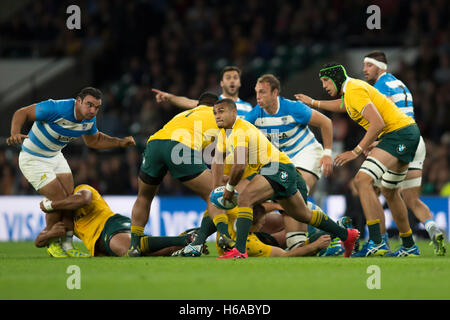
(195, 128)
(260, 150)
(90, 220)
(358, 93)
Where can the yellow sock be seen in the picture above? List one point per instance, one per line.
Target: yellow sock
(137, 230)
(372, 222)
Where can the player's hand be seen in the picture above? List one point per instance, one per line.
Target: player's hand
(326, 163)
(373, 145)
(323, 242)
(161, 96)
(227, 195)
(58, 230)
(127, 142)
(303, 98)
(343, 158)
(16, 139)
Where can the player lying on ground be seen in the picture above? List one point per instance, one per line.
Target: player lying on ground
(267, 237)
(103, 232)
(55, 124)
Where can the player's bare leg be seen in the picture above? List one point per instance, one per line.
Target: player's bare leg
(140, 214)
(295, 230)
(54, 190)
(411, 189)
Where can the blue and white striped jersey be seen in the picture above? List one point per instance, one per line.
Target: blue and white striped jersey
(55, 127)
(243, 108)
(395, 89)
(288, 128)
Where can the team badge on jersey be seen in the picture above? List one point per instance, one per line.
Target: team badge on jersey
(283, 175)
(401, 148)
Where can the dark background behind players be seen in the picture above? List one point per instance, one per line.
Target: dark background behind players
(127, 47)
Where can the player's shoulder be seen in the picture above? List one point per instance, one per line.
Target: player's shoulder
(355, 85)
(288, 106)
(243, 124)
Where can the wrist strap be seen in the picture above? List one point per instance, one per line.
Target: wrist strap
(47, 204)
(327, 152)
(229, 187)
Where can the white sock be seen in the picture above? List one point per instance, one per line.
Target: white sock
(295, 239)
(429, 224)
(66, 242)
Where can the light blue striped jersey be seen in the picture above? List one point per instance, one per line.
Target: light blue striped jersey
(55, 127)
(288, 128)
(243, 108)
(395, 89)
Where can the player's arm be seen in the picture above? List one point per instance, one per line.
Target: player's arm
(75, 201)
(179, 101)
(236, 172)
(25, 114)
(58, 230)
(217, 167)
(326, 129)
(309, 249)
(103, 141)
(371, 114)
(328, 105)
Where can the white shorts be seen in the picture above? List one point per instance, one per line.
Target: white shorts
(309, 158)
(416, 164)
(41, 171)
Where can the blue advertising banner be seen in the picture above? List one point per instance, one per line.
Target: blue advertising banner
(21, 219)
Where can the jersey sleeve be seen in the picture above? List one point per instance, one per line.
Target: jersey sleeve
(300, 111)
(252, 115)
(358, 98)
(384, 89)
(94, 129)
(46, 110)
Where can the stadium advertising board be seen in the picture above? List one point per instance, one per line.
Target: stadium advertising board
(21, 218)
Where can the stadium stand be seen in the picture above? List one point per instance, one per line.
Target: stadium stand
(133, 46)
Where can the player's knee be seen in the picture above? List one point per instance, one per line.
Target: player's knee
(362, 182)
(245, 200)
(390, 194)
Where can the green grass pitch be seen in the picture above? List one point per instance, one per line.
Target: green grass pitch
(27, 272)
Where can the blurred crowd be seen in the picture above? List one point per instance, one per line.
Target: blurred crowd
(180, 46)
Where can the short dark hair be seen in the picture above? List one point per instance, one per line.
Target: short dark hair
(90, 91)
(377, 55)
(207, 99)
(230, 68)
(230, 103)
(271, 80)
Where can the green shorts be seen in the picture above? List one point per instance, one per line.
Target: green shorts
(285, 181)
(161, 156)
(114, 225)
(401, 143)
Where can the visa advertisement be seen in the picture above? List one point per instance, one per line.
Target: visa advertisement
(21, 218)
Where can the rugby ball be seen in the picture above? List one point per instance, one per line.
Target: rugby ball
(216, 198)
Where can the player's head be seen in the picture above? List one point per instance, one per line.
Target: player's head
(225, 113)
(230, 80)
(375, 64)
(333, 76)
(88, 102)
(267, 90)
(207, 99)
